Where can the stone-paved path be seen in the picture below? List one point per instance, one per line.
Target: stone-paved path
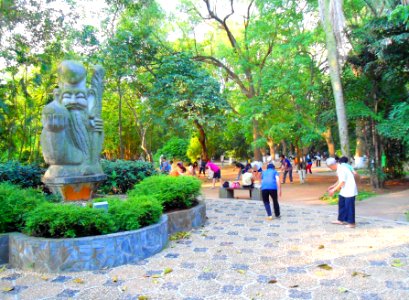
(240, 255)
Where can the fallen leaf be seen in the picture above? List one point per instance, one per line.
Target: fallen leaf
(167, 271)
(342, 290)
(397, 263)
(143, 297)
(78, 280)
(320, 273)
(45, 278)
(207, 269)
(156, 281)
(294, 286)
(360, 273)
(8, 289)
(241, 271)
(115, 279)
(124, 288)
(325, 267)
(156, 276)
(321, 247)
(3, 268)
(272, 281)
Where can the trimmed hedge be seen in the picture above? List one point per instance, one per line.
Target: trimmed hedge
(67, 221)
(15, 202)
(122, 175)
(173, 192)
(135, 212)
(26, 176)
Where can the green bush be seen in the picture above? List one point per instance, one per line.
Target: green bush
(15, 202)
(122, 175)
(135, 212)
(173, 192)
(25, 176)
(174, 149)
(52, 220)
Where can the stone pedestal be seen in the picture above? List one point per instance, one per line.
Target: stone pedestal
(74, 188)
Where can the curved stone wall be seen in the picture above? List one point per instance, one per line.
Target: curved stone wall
(96, 252)
(4, 248)
(185, 220)
(87, 253)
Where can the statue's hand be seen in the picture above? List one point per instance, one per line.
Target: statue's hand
(97, 124)
(54, 122)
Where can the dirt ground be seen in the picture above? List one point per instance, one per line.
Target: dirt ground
(308, 193)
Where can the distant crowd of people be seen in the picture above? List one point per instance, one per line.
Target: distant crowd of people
(268, 180)
(196, 168)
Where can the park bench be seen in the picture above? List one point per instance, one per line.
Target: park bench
(255, 192)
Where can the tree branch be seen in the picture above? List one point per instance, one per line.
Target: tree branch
(231, 74)
(223, 23)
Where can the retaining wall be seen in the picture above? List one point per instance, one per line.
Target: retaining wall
(96, 252)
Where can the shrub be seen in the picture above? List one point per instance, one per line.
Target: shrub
(135, 212)
(174, 149)
(122, 175)
(67, 221)
(25, 176)
(14, 204)
(173, 192)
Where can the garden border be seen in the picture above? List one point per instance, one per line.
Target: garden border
(96, 252)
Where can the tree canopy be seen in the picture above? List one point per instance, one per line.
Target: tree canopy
(247, 78)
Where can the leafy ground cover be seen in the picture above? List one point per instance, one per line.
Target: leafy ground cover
(333, 200)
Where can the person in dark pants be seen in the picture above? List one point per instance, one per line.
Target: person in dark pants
(348, 192)
(271, 187)
(202, 167)
(287, 168)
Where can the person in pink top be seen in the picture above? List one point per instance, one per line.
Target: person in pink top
(216, 171)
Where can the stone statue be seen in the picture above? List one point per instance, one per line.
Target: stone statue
(72, 133)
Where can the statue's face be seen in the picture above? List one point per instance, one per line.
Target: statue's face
(74, 99)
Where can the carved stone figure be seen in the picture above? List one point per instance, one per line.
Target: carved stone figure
(72, 133)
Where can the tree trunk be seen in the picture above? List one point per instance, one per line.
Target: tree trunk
(202, 140)
(360, 144)
(284, 146)
(270, 144)
(144, 147)
(330, 142)
(334, 68)
(121, 145)
(256, 136)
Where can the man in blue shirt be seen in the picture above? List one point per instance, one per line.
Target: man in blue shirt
(287, 168)
(270, 186)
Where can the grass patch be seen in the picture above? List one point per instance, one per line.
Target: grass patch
(363, 172)
(334, 199)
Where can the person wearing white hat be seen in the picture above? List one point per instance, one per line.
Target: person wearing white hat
(348, 191)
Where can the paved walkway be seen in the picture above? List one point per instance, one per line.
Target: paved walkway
(240, 255)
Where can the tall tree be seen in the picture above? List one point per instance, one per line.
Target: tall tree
(247, 47)
(184, 90)
(333, 22)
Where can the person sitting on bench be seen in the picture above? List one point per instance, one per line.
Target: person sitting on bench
(247, 180)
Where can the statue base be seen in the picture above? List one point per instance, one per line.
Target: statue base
(74, 188)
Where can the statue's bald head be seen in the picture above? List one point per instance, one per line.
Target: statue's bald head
(71, 74)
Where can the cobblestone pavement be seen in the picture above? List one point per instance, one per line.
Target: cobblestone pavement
(241, 255)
